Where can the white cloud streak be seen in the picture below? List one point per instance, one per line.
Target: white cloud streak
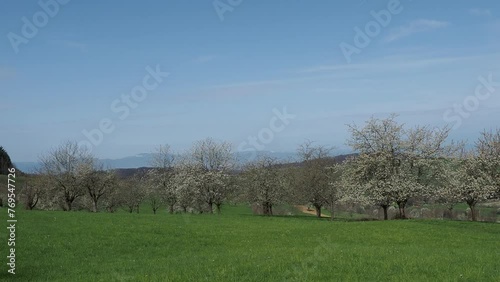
(421, 25)
(479, 12)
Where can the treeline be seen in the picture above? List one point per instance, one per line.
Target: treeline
(393, 165)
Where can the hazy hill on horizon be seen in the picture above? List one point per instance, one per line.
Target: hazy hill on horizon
(144, 160)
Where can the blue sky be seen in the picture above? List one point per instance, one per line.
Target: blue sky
(229, 70)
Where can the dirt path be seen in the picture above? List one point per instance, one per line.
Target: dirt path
(305, 210)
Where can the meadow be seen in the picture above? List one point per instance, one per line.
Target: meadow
(239, 246)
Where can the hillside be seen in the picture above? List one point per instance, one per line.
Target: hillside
(5, 161)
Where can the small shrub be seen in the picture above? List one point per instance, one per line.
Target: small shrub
(425, 213)
(391, 212)
(360, 210)
(414, 213)
(448, 214)
(438, 213)
(256, 209)
(492, 216)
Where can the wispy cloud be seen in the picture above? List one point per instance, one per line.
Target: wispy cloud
(416, 26)
(343, 72)
(479, 12)
(391, 63)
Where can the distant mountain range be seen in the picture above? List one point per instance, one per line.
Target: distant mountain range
(144, 160)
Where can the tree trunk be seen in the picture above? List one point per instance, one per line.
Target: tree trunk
(385, 207)
(448, 213)
(33, 204)
(94, 206)
(401, 206)
(68, 205)
(318, 211)
(265, 209)
(210, 207)
(171, 209)
(472, 207)
(29, 205)
(331, 212)
(218, 207)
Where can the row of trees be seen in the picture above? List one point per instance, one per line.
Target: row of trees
(393, 164)
(69, 175)
(397, 163)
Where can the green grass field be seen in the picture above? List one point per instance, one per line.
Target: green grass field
(238, 246)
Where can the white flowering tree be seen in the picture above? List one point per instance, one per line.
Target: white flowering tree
(213, 161)
(131, 193)
(32, 190)
(367, 182)
(187, 182)
(264, 183)
(222, 186)
(65, 165)
(471, 176)
(336, 190)
(312, 182)
(445, 188)
(98, 183)
(161, 178)
(488, 150)
(396, 163)
(473, 184)
(151, 183)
